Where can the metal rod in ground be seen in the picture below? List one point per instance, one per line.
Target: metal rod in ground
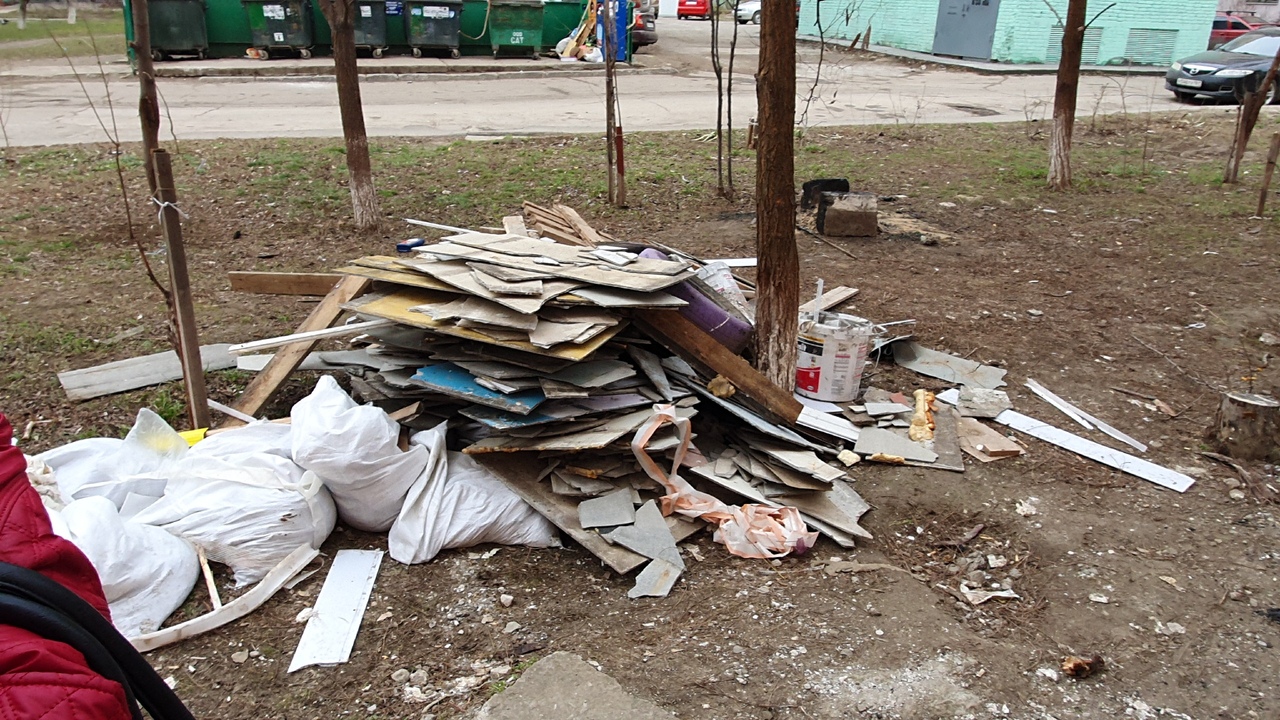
(180, 284)
(1270, 172)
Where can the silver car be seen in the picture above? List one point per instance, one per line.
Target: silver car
(748, 12)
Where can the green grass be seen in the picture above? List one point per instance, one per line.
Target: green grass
(168, 406)
(43, 35)
(43, 339)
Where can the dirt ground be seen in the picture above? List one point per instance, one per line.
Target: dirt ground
(1150, 276)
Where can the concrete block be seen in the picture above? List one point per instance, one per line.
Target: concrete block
(812, 190)
(848, 215)
(564, 687)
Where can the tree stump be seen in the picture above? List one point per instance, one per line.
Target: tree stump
(1248, 426)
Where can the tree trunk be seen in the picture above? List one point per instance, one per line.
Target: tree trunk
(364, 197)
(71, 12)
(1247, 426)
(1246, 120)
(778, 294)
(719, 71)
(613, 130)
(148, 104)
(728, 107)
(22, 14)
(1064, 100)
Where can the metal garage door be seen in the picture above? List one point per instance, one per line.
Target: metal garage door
(966, 28)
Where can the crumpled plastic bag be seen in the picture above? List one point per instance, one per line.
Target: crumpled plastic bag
(355, 451)
(117, 468)
(751, 531)
(246, 510)
(42, 479)
(456, 502)
(146, 573)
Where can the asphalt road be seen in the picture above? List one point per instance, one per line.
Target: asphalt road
(676, 92)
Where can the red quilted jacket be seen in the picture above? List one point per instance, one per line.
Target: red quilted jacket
(41, 678)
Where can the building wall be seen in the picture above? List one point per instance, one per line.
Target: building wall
(1024, 29)
(1268, 11)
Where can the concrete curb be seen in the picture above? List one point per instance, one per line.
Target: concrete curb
(389, 73)
(988, 68)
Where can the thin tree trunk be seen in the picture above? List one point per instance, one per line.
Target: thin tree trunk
(148, 104)
(612, 136)
(71, 12)
(22, 14)
(778, 297)
(1246, 120)
(364, 197)
(719, 71)
(1064, 101)
(728, 107)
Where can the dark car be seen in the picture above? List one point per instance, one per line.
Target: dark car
(1228, 72)
(644, 27)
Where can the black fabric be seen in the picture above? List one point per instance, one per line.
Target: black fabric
(33, 602)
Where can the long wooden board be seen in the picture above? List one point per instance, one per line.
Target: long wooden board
(687, 340)
(281, 283)
(139, 372)
(288, 358)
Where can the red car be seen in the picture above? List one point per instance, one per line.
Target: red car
(693, 8)
(1229, 26)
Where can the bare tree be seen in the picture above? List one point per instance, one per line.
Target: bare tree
(613, 125)
(730, 190)
(1247, 119)
(364, 198)
(1064, 100)
(718, 69)
(778, 298)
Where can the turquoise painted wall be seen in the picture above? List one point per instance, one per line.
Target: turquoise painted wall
(1025, 26)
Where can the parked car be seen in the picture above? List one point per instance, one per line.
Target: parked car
(748, 12)
(1229, 26)
(693, 8)
(1228, 72)
(644, 31)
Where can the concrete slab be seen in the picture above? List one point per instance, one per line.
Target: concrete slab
(564, 687)
(611, 509)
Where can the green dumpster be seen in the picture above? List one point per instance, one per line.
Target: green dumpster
(280, 25)
(516, 24)
(177, 28)
(434, 25)
(371, 26)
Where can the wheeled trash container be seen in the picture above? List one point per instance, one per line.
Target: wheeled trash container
(177, 28)
(371, 26)
(516, 24)
(434, 25)
(280, 25)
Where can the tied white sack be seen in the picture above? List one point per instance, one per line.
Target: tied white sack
(457, 503)
(146, 573)
(115, 468)
(355, 451)
(244, 501)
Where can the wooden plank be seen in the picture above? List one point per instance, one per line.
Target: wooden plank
(583, 228)
(283, 363)
(834, 297)
(1123, 462)
(514, 224)
(984, 443)
(139, 372)
(521, 476)
(281, 283)
(682, 337)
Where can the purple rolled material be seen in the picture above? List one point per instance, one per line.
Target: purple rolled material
(703, 312)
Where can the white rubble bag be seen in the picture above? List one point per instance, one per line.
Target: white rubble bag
(246, 509)
(117, 468)
(42, 479)
(355, 451)
(146, 573)
(457, 503)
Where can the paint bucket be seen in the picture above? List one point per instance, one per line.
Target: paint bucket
(832, 354)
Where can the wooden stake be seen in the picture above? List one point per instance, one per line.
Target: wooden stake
(180, 286)
(208, 578)
(778, 297)
(1270, 172)
(1247, 119)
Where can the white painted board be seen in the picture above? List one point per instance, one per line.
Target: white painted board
(331, 632)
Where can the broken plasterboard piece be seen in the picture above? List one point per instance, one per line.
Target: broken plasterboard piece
(918, 358)
(656, 579)
(827, 424)
(649, 536)
(981, 402)
(595, 373)
(619, 298)
(876, 409)
(876, 441)
(1083, 417)
(453, 381)
(651, 366)
(1123, 462)
(611, 509)
(331, 632)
